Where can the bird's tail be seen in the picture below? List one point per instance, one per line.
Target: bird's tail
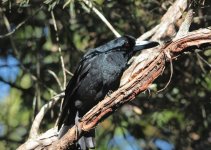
(87, 141)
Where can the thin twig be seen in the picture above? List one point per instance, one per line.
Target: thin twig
(167, 54)
(56, 78)
(37, 99)
(17, 54)
(19, 25)
(60, 51)
(61, 59)
(14, 85)
(201, 58)
(68, 72)
(37, 121)
(7, 24)
(102, 17)
(183, 30)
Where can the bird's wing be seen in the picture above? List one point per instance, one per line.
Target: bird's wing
(72, 86)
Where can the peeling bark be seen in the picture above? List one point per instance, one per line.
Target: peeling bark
(137, 78)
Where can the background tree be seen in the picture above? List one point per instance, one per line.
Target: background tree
(34, 36)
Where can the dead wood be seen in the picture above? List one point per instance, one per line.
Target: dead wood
(137, 78)
(141, 75)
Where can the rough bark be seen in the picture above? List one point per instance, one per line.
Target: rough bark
(142, 75)
(137, 78)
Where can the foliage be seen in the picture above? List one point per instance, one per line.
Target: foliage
(180, 114)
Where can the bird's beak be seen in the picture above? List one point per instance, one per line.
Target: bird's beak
(139, 45)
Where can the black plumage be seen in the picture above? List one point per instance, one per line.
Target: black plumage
(99, 71)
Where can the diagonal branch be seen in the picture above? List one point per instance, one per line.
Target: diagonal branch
(102, 17)
(137, 83)
(60, 50)
(139, 80)
(37, 120)
(19, 25)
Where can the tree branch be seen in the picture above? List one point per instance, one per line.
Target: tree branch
(19, 25)
(60, 50)
(102, 17)
(136, 79)
(139, 80)
(37, 121)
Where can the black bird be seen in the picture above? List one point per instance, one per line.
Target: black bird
(99, 71)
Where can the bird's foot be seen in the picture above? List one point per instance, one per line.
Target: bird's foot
(77, 121)
(109, 93)
(147, 91)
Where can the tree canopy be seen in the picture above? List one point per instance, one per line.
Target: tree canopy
(41, 43)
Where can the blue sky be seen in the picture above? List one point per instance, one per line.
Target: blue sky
(124, 143)
(8, 71)
(128, 142)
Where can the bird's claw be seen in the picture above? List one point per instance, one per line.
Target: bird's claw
(109, 93)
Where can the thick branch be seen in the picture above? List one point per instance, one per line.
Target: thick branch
(170, 21)
(142, 77)
(142, 74)
(137, 78)
(191, 39)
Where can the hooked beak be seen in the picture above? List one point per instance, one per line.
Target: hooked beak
(139, 45)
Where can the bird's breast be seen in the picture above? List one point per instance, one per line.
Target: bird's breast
(113, 67)
(104, 75)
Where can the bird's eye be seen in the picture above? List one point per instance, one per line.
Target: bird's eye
(126, 44)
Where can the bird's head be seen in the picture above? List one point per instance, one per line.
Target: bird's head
(127, 44)
(132, 45)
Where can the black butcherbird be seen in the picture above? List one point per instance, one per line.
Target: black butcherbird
(99, 71)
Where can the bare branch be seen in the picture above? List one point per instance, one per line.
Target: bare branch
(16, 52)
(19, 25)
(60, 51)
(201, 58)
(37, 121)
(139, 80)
(100, 15)
(184, 28)
(68, 72)
(169, 21)
(195, 38)
(56, 78)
